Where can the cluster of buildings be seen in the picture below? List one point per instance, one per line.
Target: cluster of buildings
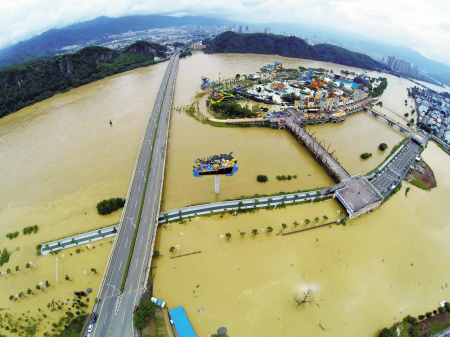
(165, 36)
(314, 92)
(401, 66)
(434, 110)
(328, 99)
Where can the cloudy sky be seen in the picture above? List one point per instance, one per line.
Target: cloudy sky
(420, 25)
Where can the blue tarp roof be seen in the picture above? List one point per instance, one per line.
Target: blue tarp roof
(181, 322)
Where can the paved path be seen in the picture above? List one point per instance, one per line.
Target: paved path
(79, 239)
(396, 169)
(318, 151)
(192, 211)
(139, 220)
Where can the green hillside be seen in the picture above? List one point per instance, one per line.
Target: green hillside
(289, 46)
(32, 82)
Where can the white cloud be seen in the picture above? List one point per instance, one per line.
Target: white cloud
(420, 25)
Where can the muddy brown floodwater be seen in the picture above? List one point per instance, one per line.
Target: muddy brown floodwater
(59, 157)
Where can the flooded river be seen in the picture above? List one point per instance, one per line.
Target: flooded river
(60, 157)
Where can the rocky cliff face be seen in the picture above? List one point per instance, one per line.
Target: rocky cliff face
(33, 82)
(142, 48)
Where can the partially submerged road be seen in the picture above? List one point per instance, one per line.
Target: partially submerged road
(138, 223)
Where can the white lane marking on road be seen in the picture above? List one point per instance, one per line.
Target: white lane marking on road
(145, 218)
(142, 238)
(139, 188)
(126, 242)
(123, 317)
(105, 318)
(136, 263)
(135, 204)
(120, 265)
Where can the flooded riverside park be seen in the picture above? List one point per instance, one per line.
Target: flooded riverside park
(61, 157)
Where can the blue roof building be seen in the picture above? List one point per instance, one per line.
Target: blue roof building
(181, 322)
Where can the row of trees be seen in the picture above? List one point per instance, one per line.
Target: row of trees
(414, 329)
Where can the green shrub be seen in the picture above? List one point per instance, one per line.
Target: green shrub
(366, 155)
(428, 314)
(383, 146)
(410, 319)
(421, 317)
(30, 229)
(4, 257)
(441, 310)
(414, 331)
(387, 333)
(262, 178)
(12, 235)
(105, 207)
(447, 306)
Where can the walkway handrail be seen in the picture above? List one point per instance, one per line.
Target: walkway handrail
(233, 205)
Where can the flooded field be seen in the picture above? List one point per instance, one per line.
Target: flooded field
(358, 134)
(391, 263)
(41, 306)
(61, 157)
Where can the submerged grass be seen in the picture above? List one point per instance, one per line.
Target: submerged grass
(420, 184)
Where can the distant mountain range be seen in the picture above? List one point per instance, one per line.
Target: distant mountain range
(50, 42)
(289, 46)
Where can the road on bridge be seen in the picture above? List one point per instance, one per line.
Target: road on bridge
(115, 308)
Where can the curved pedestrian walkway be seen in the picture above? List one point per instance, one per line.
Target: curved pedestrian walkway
(234, 205)
(80, 239)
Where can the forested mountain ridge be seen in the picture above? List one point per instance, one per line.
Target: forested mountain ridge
(32, 82)
(289, 46)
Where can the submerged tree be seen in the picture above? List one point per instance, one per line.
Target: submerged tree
(305, 298)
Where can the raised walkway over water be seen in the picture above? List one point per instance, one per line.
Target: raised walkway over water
(331, 163)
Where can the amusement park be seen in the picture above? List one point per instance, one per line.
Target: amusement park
(310, 95)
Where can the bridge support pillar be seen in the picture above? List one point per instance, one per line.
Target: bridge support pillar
(216, 184)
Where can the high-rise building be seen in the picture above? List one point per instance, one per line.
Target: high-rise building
(246, 29)
(240, 29)
(390, 62)
(267, 30)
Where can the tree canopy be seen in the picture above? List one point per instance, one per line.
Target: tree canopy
(105, 207)
(143, 314)
(289, 46)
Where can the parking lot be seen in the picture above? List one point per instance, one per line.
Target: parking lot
(397, 168)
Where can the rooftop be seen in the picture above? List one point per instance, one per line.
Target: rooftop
(358, 194)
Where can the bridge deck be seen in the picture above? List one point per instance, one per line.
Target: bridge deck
(318, 151)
